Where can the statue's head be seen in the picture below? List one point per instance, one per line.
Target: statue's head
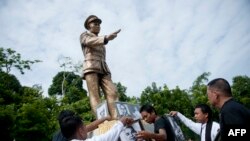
(91, 18)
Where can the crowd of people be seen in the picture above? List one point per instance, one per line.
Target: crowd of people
(233, 115)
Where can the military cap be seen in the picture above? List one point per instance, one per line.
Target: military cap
(91, 18)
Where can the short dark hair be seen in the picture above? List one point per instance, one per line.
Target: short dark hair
(221, 85)
(205, 109)
(69, 124)
(147, 108)
(63, 114)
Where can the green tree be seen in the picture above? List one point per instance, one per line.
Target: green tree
(33, 122)
(53, 107)
(165, 100)
(148, 92)
(10, 58)
(67, 64)
(7, 119)
(73, 90)
(134, 100)
(74, 94)
(24, 113)
(241, 89)
(199, 89)
(121, 90)
(82, 107)
(9, 89)
(66, 83)
(30, 94)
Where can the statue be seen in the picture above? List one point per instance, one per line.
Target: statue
(95, 70)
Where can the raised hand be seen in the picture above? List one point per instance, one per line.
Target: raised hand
(112, 35)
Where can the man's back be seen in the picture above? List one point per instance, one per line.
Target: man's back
(233, 115)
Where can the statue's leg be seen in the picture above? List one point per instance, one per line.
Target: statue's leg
(92, 80)
(110, 92)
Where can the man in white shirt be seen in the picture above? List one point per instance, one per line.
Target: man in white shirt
(90, 127)
(73, 129)
(205, 127)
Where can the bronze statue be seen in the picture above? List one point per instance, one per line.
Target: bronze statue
(95, 70)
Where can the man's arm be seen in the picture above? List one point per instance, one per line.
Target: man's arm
(161, 136)
(195, 127)
(114, 132)
(94, 125)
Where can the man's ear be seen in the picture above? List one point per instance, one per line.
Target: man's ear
(206, 115)
(216, 94)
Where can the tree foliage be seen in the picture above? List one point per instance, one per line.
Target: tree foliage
(148, 94)
(241, 89)
(9, 88)
(72, 86)
(32, 121)
(10, 58)
(7, 119)
(199, 89)
(121, 91)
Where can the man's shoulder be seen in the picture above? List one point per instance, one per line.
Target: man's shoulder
(216, 126)
(232, 105)
(160, 120)
(215, 123)
(159, 123)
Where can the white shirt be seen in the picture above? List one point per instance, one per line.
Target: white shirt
(196, 127)
(112, 135)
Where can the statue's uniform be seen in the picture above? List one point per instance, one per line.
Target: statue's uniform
(96, 71)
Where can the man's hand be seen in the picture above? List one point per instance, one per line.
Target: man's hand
(143, 135)
(112, 35)
(173, 113)
(126, 120)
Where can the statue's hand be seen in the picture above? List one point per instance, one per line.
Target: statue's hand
(112, 35)
(116, 32)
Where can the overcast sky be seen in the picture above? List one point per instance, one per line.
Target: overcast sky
(169, 42)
